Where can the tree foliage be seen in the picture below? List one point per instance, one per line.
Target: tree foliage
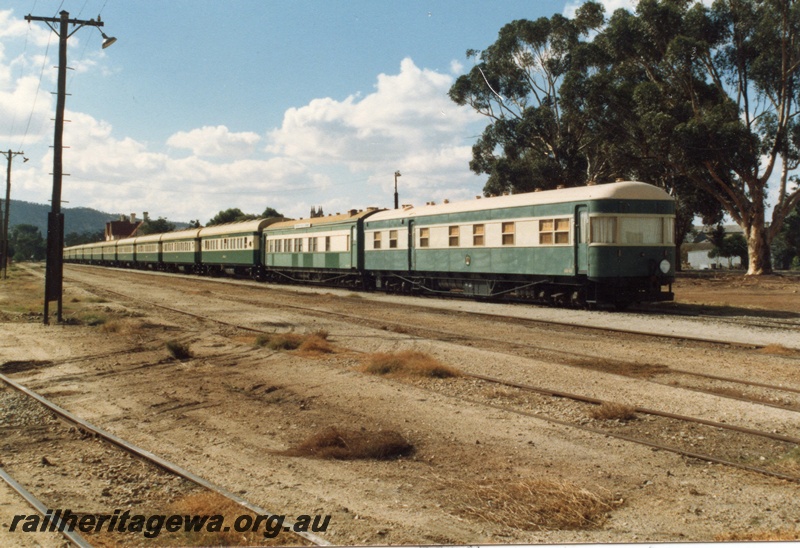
(76, 238)
(231, 215)
(529, 142)
(270, 213)
(702, 101)
(26, 243)
(158, 226)
(786, 245)
(235, 215)
(718, 101)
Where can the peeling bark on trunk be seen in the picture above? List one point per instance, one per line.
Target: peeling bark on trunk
(759, 257)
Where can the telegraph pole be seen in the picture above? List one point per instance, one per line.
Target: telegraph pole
(4, 242)
(54, 271)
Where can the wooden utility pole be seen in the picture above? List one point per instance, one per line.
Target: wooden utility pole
(54, 271)
(4, 241)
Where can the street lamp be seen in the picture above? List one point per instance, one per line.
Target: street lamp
(54, 271)
(106, 40)
(396, 201)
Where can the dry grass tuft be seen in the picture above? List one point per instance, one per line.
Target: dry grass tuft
(779, 350)
(316, 342)
(343, 444)
(614, 411)
(618, 367)
(408, 363)
(759, 535)
(203, 503)
(92, 319)
(123, 327)
(179, 350)
(789, 462)
(536, 504)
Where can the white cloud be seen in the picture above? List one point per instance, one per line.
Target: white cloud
(216, 142)
(407, 123)
(335, 154)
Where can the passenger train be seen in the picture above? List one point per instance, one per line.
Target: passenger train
(607, 244)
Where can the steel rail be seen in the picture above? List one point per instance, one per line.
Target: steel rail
(155, 459)
(460, 336)
(586, 399)
(647, 443)
(643, 410)
(637, 332)
(57, 525)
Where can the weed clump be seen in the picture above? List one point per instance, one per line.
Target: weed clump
(343, 444)
(316, 342)
(779, 350)
(179, 350)
(408, 363)
(92, 320)
(614, 411)
(536, 504)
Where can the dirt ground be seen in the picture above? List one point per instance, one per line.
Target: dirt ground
(234, 411)
(731, 289)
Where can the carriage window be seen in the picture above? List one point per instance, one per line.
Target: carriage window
(669, 230)
(453, 232)
(641, 230)
(584, 227)
(604, 230)
(376, 240)
(424, 237)
(477, 235)
(393, 239)
(508, 233)
(554, 231)
(327, 243)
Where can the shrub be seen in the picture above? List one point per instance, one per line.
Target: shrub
(408, 363)
(314, 342)
(534, 504)
(342, 444)
(179, 350)
(614, 411)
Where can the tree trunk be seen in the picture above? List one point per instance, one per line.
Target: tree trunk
(759, 257)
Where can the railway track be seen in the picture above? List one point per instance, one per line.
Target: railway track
(38, 431)
(703, 440)
(755, 321)
(772, 395)
(694, 438)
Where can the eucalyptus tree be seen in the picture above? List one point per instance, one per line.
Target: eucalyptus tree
(529, 142)
(719, 102)
(623, 134)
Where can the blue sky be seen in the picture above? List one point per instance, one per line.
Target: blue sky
(205, 105)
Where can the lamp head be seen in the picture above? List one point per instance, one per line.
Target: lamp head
(107, 41)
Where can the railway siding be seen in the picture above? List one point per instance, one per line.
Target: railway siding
(269, 400)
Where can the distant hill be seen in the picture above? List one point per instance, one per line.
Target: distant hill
(76, 219)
